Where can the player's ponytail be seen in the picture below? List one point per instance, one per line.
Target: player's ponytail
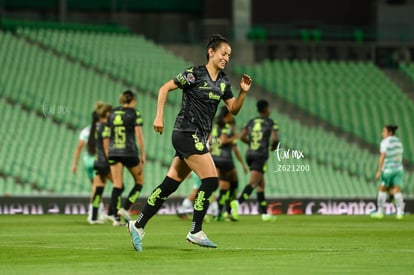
(391, 128)
(91, 138)
(95, 118)
(127, 97)
(214, 43)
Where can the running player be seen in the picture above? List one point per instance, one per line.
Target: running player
(101, 166)
(88, 159)
(223, 142)
(203, 88)
(257, 135)
(125, 128)
(390, 172)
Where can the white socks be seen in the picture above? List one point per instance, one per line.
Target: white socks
(382, 197)
(399, 203)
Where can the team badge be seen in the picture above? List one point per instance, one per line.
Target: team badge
(190, 78)
(222, 86)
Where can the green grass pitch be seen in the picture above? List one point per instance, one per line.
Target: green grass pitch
(53, 244)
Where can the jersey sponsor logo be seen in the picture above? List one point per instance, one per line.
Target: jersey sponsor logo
(205, 86)
(118, 120)
(211, 95)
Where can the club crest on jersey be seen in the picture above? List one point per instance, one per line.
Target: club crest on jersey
(222, 87)
(190, 78)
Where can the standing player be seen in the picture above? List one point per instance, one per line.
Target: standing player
(257, 134)
(390, 172)
(223, 142)
(203, 88)
(88, 158)
(101, 166)
(125, 128)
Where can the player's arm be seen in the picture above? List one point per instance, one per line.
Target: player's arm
(105, 143)
(275, 140)
(380, 164)
(77, 155)
(243, 136)
(234, 104)
(239, 158)
(140, 140)
(225, 139)
(162, 98)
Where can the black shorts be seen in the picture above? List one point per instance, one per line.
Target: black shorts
(101, 169)
(187, 144)
(224, 167)
(126, 161)
(256, 163)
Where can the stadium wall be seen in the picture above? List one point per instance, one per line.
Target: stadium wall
(293, 206)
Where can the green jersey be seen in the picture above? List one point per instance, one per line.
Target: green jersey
(393, 149)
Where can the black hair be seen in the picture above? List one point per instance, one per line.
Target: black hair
(214, 43)
(220, 118)
(127, 97)
(100, 111)
(91, 139)
(262, 105)
(391, 128)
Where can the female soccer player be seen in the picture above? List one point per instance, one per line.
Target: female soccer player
(101, 166)
(203, 88)
(390, 172)
(223, 142)
(125, 128)
(257, 134)
(88, 159)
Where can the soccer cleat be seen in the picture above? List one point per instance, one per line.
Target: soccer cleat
(268, 218)
(377, 215)
(137, 234)
(399, 216)
(106, 217)
(200, 238)
(118, 223)
(234, 205)
(125, 214)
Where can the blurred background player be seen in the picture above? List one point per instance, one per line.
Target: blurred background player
(390, 172)
(223, 141)
(101, 166)
(120, 143)
(88, 159)
(203, 88)
(187, 207)
(257, 135)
